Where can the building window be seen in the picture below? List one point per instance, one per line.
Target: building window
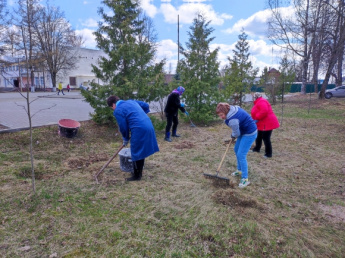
(42, 81)
(72, 81)
(36, 81)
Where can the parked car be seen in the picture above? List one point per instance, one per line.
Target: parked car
(338, 92)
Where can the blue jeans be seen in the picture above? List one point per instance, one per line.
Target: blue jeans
(242, 146)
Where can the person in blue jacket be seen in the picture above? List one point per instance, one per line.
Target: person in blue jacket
(136, 126)
(244, 130)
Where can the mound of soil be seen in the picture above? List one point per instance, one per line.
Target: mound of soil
(79, 162)
(230, 198)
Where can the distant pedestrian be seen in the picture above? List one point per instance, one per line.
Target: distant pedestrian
(137, 127)
(60, 89)
(68, 88)
(171, 112)
(266, 121)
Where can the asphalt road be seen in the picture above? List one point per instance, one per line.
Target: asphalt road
(46, 108)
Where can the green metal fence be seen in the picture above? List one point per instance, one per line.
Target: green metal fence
(295, 87)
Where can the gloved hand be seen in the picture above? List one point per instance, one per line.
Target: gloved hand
(182, 104)
(186, 113)
(124, 143)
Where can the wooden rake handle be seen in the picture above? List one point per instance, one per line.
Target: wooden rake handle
(221, 163)
(106, 164)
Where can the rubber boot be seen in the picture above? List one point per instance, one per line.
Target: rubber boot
(174, 134)
(136, 175)
(167, 137)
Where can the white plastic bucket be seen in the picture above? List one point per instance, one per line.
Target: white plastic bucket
(126, 163)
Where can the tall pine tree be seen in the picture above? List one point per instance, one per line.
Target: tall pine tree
(199, 71)
(127, 38)
(240, 74)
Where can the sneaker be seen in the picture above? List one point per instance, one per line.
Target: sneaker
(167, 139)
(176, 135)
(265, 156)
(253, 150)
(243, 183)
(236, 173)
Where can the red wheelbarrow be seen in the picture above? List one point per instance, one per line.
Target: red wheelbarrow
(68, 127)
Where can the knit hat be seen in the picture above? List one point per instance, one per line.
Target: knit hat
(223, 107)
(180, 89)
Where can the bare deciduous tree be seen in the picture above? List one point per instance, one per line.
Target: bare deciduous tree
(337, 40)
(57, 41)
(26, 18)
(3, 23)
(295, 31)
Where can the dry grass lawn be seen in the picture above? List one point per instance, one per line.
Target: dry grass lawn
(294, 207)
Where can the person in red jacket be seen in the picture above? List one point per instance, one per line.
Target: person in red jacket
(266, 121)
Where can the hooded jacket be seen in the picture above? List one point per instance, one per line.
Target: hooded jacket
(173, 104)
(263, 113)
(240, 122)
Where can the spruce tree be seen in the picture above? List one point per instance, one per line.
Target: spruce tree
(199, 71)
(240, 74)
(127, 70)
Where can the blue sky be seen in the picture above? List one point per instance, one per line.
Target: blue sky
(227, 18)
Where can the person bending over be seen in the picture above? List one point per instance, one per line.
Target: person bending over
(244, 131)
(136, 126)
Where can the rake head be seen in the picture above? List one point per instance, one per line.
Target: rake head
(219, 179)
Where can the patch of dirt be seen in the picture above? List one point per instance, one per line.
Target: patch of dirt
(335, 213)
(184, 145)
(232, 199)
(80, 162)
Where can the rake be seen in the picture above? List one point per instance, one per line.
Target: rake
(191, 123)
(216, 176)
(106, 164)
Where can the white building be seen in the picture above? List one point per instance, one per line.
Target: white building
(82, 74)
(13, 72)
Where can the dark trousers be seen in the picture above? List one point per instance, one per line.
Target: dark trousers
(172, 120)
(138, 168)
(266, 137)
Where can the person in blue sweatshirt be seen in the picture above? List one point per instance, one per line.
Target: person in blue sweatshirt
(136, 126)
(244, 130)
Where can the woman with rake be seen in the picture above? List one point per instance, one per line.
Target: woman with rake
(244, 131)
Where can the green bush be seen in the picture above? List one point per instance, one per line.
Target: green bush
(158, 124)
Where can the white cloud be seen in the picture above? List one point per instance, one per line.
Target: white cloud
(167, 49)
(194, 1)
(256, 25)
(187, 12)
(88, 37)
(261, 53)
(149, 8)
(90, 23)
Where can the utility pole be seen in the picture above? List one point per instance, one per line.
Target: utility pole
(178, 39)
